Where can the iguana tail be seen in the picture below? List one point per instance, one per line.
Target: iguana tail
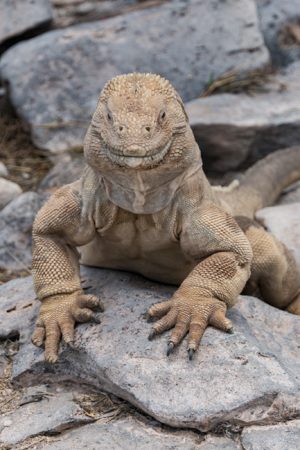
(262, 184)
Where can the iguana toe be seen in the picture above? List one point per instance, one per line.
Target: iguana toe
(191, 353)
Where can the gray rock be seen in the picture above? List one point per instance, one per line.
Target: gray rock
(8, 191)
(66, 170)
(70, 12)
(284, 436)
(275, 18)
(18, 16)
(16, 221)
(18, 309)
(3, 361)
(55, 78)
(237, 378)
(3, 170)
(53, 414)
(283, 222)
(130, 433)
(232, 129)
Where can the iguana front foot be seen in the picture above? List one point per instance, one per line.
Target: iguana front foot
(188, 315)
(58, 315)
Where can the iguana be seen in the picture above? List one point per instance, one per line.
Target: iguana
(144, 204)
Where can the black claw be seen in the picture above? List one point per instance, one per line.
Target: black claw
(152, 334)
(95, 319)
(191, 353)
(71, 345)
(100, 307)
(147, 317)
(170, 348)
(230, 330)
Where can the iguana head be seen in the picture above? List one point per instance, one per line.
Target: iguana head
(137, 119)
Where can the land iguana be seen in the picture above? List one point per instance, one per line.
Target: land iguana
(144, 204)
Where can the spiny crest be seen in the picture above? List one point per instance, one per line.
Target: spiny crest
(138, 84)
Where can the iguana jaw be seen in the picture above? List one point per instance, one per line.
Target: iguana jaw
(135, 161)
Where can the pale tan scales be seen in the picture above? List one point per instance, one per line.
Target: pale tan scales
(144, 204)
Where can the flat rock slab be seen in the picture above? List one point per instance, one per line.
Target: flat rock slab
(233, 378)
(285, 436)
(129, 433)
(283, 221)
(55, 79)
(231, 129)
(53, 414)
(18, 16)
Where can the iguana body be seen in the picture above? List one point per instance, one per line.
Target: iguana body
(145, 205)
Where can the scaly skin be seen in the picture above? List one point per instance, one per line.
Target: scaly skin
(144, 204)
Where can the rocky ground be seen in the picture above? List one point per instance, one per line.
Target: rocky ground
(116, 389)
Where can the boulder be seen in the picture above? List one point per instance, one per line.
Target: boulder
(68, 12)
(67, 169)
(51, 415)
(55, 79)
(283, 222)
(284, 436)
(238, 379)
(16, 221)
(18, 16)
(8, 191)
(236, 129)
(279, 23)
(130, 433)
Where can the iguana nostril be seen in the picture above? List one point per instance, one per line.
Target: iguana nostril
(148, 129)
(121, 128)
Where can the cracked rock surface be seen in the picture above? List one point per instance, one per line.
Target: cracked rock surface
(52, 414)
(238, 379)
(276, 437)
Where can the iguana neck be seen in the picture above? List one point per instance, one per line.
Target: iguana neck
(143, 192)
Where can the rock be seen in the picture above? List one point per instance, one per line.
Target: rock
(19, 309)
(232, 129)
(290, 195)
(277, 19)
(51, 415)
(8, 191)
(68, 12)
(18, 16)
(16, 221)
(283, 222)
(3, 170)
(3, 361)
(55, 78)
(130, 433)
(285, 436)
(237, 379)
(66, 170)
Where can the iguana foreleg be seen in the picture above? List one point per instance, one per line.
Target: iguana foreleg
(55, 267)
(213, 285)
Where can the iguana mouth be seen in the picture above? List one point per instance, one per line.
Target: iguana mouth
(134, 161)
